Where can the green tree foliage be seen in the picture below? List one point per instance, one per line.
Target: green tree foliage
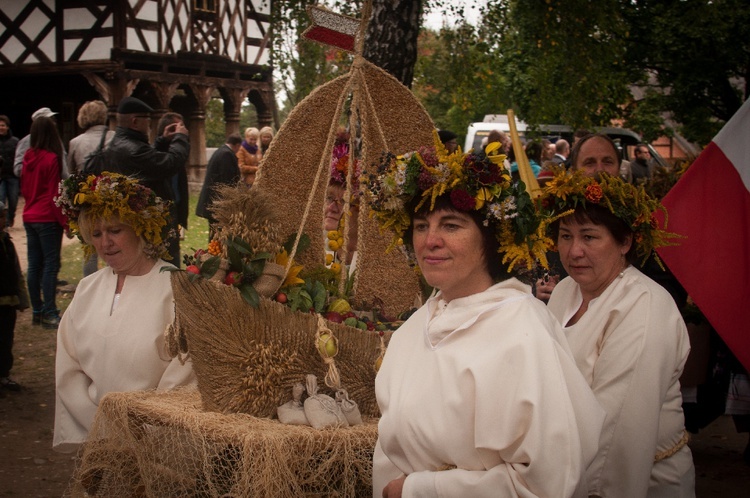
(563, 59)
(585, 63)
(458, 77)
(693, 57)
(303, 65)
(215, 127)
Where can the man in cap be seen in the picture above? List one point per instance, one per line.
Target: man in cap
(448, 138)
(130, 153)
(25, 143)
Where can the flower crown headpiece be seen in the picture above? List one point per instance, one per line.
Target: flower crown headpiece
(476, 181)
(630, 203)
(112, 194)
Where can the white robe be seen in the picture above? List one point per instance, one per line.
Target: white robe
(631, 346)
(99, 352)
(484, 383)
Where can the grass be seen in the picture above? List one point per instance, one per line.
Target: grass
(71, 257)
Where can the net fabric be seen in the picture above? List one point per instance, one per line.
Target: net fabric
(163, 444)
(246, 359)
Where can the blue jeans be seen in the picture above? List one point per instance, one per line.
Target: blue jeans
(44, 243)
(9, 196)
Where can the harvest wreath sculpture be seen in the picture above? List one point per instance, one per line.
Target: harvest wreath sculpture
(248, 357)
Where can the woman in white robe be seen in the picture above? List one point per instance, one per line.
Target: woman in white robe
(111, 337)
(478, 393)
(627, 337)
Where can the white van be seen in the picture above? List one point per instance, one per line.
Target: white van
(625, 139)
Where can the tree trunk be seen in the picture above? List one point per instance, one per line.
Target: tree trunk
(391, 39)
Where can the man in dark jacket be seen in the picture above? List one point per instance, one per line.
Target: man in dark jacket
(178, 183)
(9, 185)
(130, 153)
(222, 169)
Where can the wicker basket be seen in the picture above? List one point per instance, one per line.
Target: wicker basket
(246, 359)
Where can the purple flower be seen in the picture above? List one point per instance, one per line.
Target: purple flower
(425, 180)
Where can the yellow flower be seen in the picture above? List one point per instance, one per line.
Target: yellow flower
(483, 195)
(282, 259)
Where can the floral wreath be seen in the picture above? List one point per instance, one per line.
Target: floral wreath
(630, 203)
(476, 181)
(112, 194)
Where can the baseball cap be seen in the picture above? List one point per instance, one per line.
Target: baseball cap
(44, 112)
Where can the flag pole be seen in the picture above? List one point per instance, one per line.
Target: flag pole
(524, 168)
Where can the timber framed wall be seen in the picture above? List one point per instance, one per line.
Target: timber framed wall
(174, 54)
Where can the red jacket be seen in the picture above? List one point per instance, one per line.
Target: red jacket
(40, 178)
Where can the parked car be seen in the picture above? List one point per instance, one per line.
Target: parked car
(625, 139)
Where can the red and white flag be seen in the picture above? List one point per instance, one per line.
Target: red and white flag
(710, 205)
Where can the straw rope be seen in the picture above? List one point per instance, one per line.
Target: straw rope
(674, 449)
(332, 377)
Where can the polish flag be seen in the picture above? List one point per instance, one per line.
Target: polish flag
(710, 205)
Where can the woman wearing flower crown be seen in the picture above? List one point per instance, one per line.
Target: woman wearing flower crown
(111, 337)
(478, 392)
(626, 333)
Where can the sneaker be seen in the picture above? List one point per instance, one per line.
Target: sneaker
(9, 384)
(36, 319)
(51, 321)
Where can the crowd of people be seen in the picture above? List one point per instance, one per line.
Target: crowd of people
(507, 381)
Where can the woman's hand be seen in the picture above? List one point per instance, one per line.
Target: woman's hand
(393, 489)
(545, 286)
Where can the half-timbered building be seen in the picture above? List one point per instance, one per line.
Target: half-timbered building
(173, 54)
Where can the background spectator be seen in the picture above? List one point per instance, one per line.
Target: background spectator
(13, 298)
(222, 169)
(42, 219)
(92, 118)
(9, 185)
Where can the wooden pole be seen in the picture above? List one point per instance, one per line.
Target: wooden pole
(524, 168)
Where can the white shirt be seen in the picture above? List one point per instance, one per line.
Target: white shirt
(101, 349)
(484, 383)
(631, 346)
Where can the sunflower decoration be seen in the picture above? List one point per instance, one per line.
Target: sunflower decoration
(630, 203)
(292, 278)
(109, 195)
(476, 181)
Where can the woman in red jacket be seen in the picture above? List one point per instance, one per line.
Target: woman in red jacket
(42, 219)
